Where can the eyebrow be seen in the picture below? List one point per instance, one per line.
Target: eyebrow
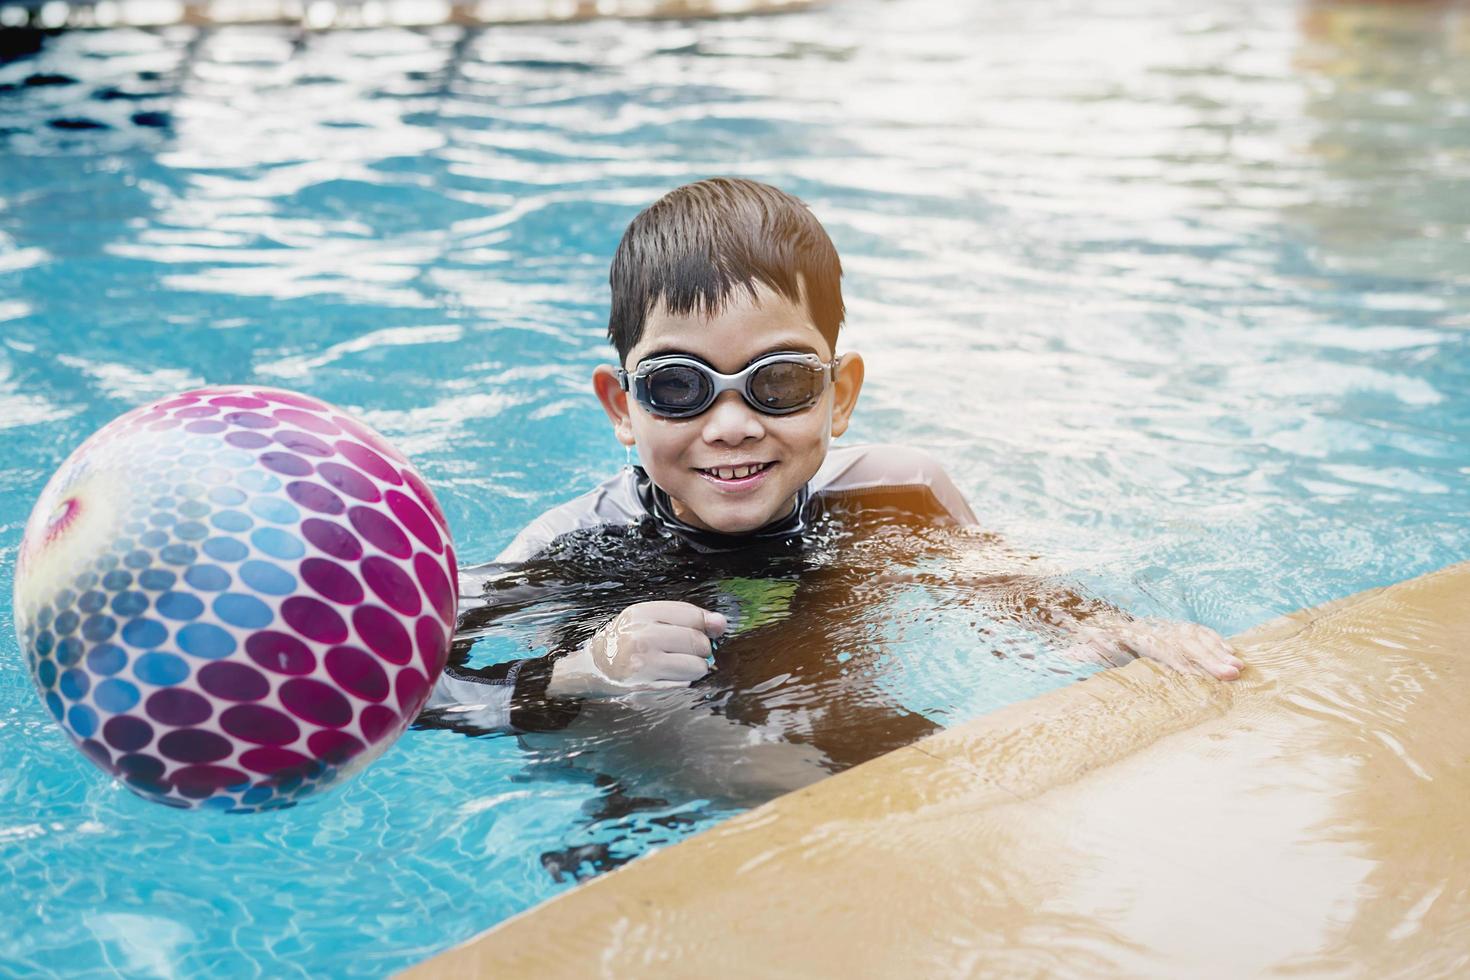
(796, 347)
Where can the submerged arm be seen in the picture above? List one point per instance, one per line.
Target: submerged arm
(503, 697)
(645, 646)
(1091, 628)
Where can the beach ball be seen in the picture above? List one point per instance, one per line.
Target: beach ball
(234, 597)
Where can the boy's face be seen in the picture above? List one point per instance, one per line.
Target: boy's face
(683, 456)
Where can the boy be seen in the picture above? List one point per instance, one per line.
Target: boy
(726, 306)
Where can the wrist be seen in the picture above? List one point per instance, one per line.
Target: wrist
(1109, 622)
(534, 706)
(566, 673)
(577, 675)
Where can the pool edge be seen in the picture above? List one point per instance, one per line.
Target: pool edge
(960, 832)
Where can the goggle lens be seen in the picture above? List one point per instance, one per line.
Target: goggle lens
(677, 388)
(785, 386)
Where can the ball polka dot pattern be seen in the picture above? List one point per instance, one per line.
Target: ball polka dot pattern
(235, 597)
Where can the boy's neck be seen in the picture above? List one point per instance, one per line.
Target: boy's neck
(684, 514)
(671, 512)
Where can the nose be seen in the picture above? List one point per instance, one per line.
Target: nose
(729, 421)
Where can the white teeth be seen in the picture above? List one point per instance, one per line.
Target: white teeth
(735, 472)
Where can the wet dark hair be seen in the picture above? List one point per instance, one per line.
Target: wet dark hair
(698, 243)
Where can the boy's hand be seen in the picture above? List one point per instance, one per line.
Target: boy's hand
(1187, 647)
(649, 645)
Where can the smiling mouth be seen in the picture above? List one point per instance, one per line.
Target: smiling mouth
(734, 474)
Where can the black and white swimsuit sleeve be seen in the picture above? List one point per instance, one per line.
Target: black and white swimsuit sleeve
(905, 477)
(506, 697)
(511, 697)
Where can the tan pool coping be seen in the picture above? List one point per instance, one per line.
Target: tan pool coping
(1311, 818)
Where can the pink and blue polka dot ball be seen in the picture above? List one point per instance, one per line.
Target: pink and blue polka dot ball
(235, 597)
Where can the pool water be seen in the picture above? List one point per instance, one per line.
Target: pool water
(1178, 294)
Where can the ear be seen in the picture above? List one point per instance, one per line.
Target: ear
(614, 401)
(849, 384)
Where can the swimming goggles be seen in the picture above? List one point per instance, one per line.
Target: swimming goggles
(676, 386)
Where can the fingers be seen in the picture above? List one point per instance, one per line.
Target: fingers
(1186, 647)
(656, 644)
(654, 668)
(664, 638)
(1196, 649)
(674, 667)
(1101, 647)
(1208, 651)
(685, 614)
(1112, 652)
(667, 653)
(1101, 652)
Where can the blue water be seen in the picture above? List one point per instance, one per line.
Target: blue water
(1177, 293)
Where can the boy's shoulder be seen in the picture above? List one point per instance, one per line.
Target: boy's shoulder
(613, 501)
(888, 473)
(874, 473)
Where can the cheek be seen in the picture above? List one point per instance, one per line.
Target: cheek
(804, 434)
(658, 442)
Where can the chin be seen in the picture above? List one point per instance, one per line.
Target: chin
(734, 522)
(736, 525)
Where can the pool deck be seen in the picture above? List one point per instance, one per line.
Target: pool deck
(1311, 818)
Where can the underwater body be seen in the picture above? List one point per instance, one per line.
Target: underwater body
(808, 681)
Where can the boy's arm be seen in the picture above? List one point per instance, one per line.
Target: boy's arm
(503, 697)
(887, 474)
(514, 696)
(1103, 633)
(1099, 631)
(647, 645)
(1095, 630)
(506, 697)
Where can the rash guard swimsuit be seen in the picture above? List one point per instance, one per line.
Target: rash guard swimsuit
(512, 696)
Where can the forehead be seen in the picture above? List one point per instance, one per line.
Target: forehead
(747, 327)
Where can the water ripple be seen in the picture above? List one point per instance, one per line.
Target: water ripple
(1176, 292)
